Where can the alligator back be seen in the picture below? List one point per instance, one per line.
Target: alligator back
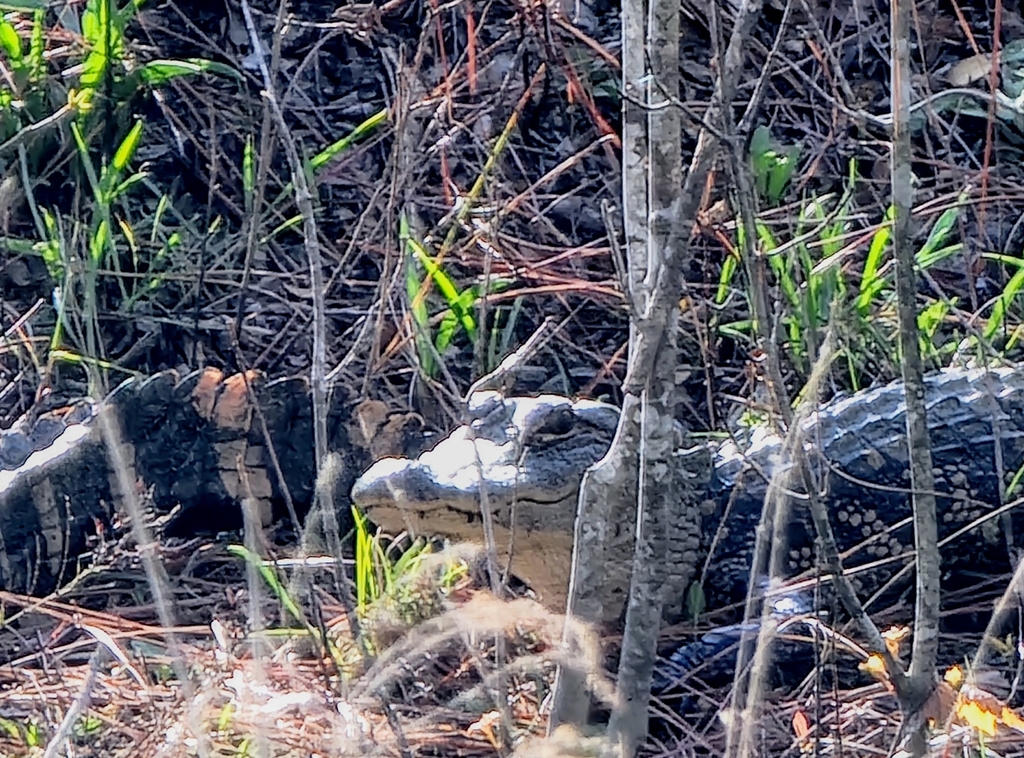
(858, 450)
(200, 442)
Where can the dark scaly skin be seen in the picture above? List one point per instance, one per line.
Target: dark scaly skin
(184, 439)
(864, 481)
(863, 437)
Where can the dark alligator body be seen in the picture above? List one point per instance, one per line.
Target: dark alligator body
(190, 442)
(858, 451)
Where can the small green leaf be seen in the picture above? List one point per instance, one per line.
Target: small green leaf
(126, 149)
(11, 43)
(696, 601)
(159, 72)
(1002, 304)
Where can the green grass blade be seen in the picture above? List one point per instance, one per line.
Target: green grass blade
(271, 579)
(937, 256)
(37, 48)
(291, 223)
(929, 254)
(1003, 302)
(729, 267)
(447, 288)
(1014, 486)
(928, 322)
(508, 332)
(98, 243)
(76, 359)
(87, 164)
(738, 330)
(765, 237)
(1007, 260)
(162, 205)
(249, 172)
(128, 183)
(366, 588)
(330, 152)
(159, 72)
(871, 284)
(446, 331)
(49, 249)
(95, 26)
(419, 305)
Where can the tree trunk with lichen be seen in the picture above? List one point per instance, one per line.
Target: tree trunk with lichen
(641, 499)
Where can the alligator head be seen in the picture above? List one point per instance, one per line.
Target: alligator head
(524, 458)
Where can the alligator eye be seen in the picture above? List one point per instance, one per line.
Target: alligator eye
(560, 421)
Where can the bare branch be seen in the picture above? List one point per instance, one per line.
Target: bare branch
(922, 481)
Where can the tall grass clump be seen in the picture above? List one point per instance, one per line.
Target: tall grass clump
(822, 280)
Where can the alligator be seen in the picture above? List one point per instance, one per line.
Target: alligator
(200, 442)
(532, 453)
(197, 444)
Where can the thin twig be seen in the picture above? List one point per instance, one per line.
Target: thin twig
(500, 379)
(921, 677)
(56, 745)
(304, 202)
